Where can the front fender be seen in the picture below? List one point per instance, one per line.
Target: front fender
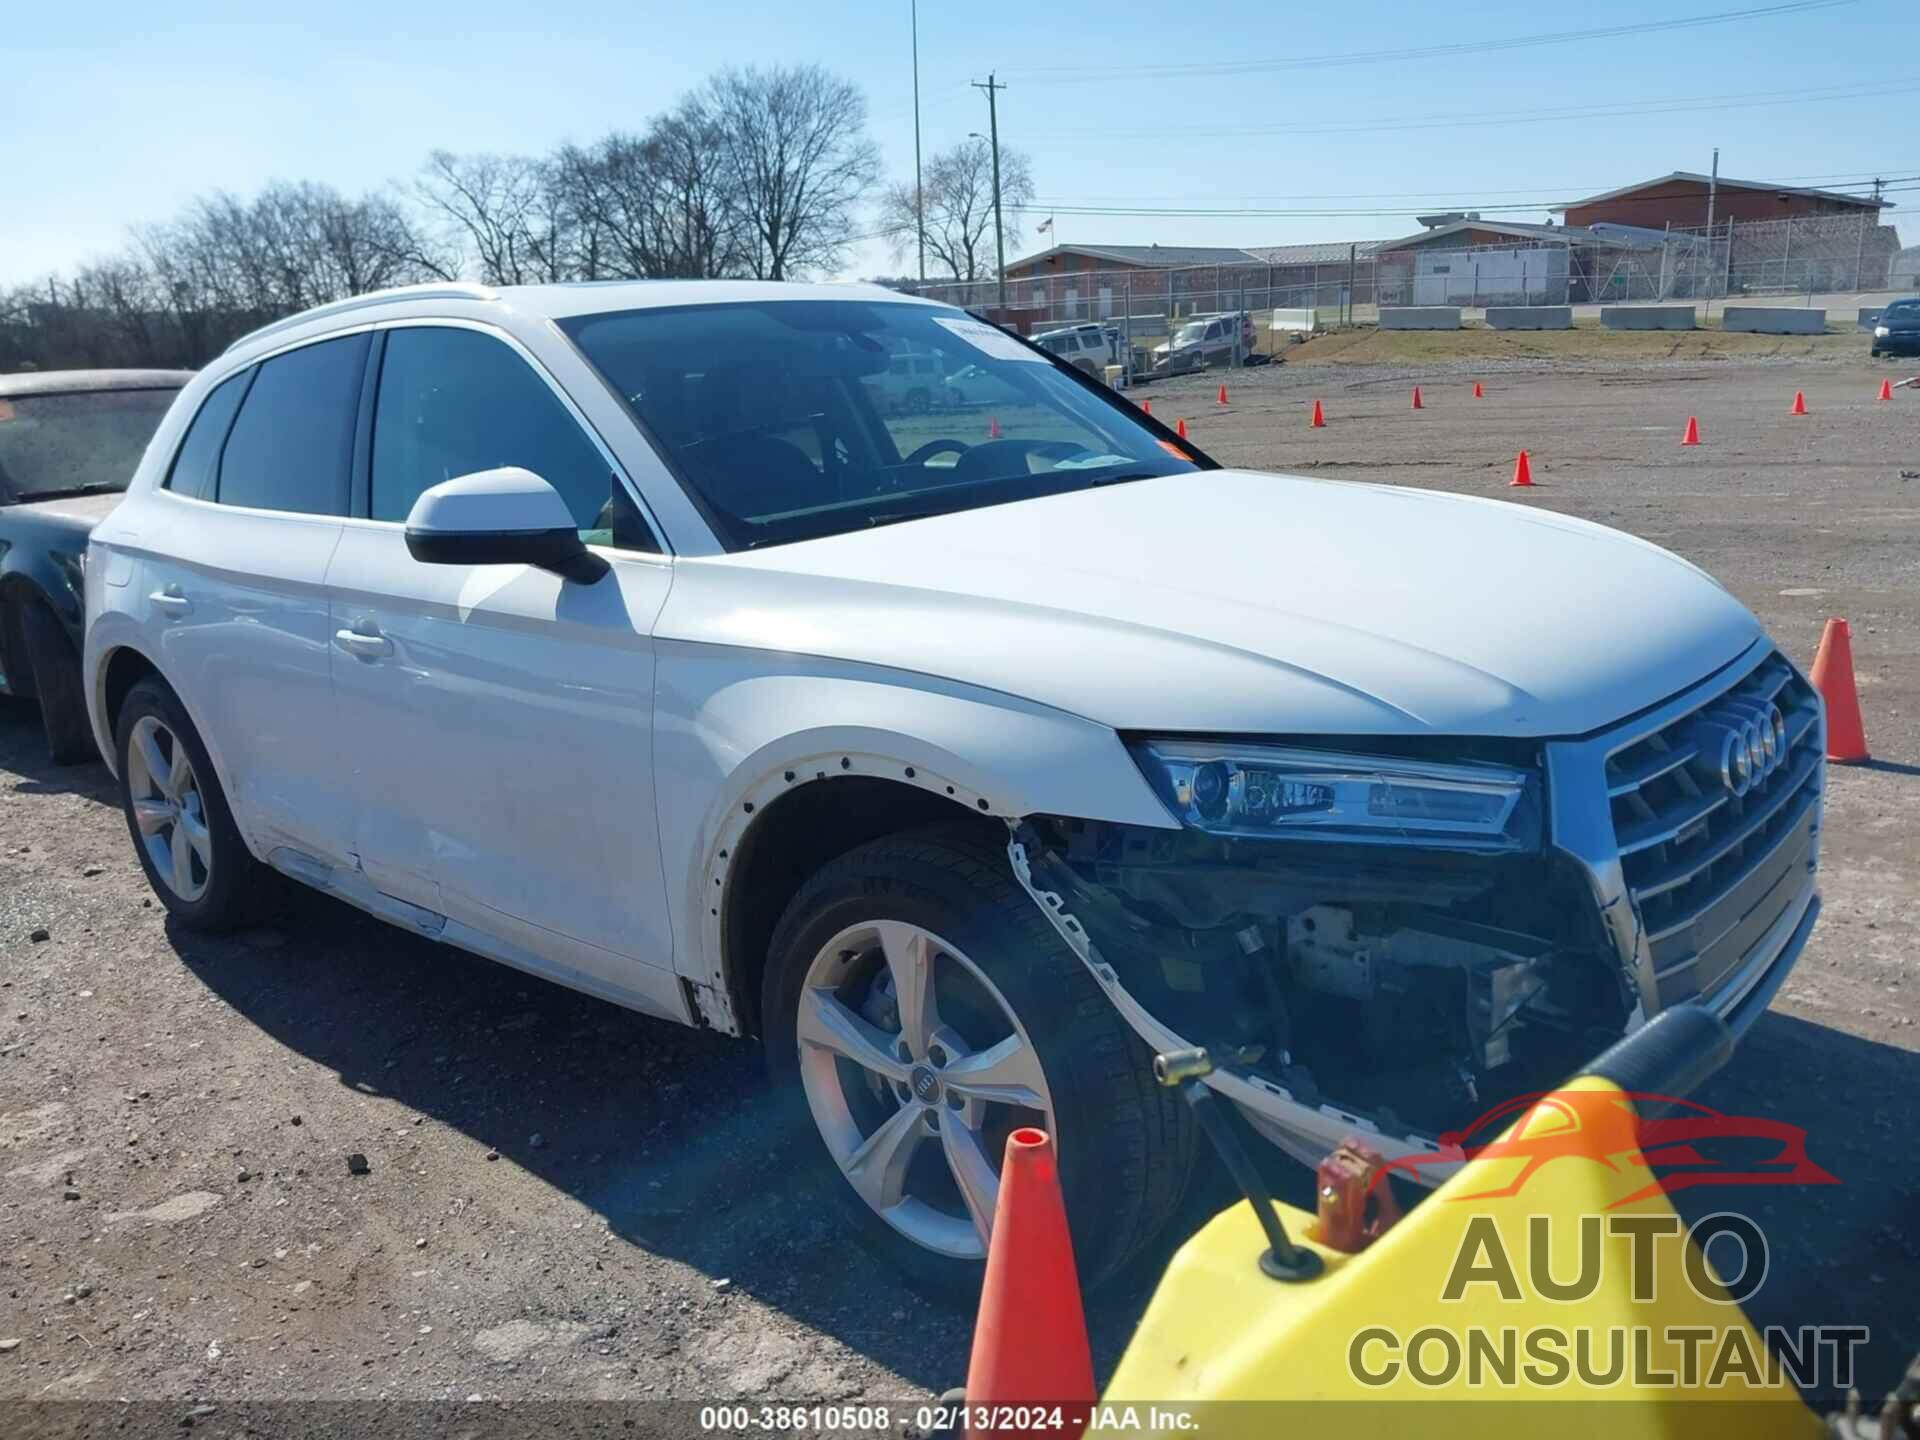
(735, 729)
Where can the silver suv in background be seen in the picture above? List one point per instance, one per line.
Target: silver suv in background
(1206, 342)
(1088, 348)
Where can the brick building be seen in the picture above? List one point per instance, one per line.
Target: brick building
(1680, 200)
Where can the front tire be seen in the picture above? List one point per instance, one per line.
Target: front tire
(56, 680)
(917, 1006)
(177, 814)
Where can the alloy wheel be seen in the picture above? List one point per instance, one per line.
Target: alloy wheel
(168, 808)
(916, 1068)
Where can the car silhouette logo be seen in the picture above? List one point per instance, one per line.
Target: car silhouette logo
(1691, 1145)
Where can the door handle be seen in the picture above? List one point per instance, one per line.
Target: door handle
(359, 642)
(170, 600)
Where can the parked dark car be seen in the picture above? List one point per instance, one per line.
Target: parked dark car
(1898, 330)
(70, 441)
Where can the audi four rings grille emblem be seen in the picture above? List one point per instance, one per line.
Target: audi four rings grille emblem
(1745, 741)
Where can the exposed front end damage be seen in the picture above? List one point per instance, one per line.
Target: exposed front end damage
(1340, 988)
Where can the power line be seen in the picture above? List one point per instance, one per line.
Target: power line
(1840, 179)
(1240, 212)
(1085, 74)
(1669, 106)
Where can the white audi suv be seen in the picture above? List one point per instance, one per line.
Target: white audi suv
(964, 756)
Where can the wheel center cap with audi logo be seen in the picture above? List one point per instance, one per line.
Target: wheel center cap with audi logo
(926, 1084)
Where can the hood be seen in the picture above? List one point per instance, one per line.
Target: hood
(1235, 602)
(80, 513)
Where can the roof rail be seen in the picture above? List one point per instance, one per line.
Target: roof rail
(438, 290)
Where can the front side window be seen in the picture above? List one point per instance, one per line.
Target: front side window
(781, 417)
(291, 446)
(81, 443)
(453, 402)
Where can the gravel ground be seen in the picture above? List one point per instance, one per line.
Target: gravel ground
(564, 1200)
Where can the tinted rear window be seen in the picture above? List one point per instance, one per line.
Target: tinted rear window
(291, 448)
(193, 467)
(76, 444)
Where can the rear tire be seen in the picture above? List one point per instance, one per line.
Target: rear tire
(56, 679)
(173, 802)
(1125, 1144)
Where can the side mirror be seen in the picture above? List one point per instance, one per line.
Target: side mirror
(507, 516)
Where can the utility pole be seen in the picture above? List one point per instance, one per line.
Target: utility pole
(1713, 192)
(992, 87)
(919, 194)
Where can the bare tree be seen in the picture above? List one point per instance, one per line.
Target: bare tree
(657, 204)
(793, 145)
(957, 189)
(183, 290)
(505, 212)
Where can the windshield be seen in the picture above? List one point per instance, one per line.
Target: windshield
(1191, 334)
(75, 444)
(788, 419)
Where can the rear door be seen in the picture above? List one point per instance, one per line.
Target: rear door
(499, 718)
(249, 517)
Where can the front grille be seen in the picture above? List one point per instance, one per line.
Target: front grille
(1710, 871)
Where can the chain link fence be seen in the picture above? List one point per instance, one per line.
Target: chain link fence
(1303, 288)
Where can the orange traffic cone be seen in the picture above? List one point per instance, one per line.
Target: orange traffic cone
(1522, 472)
(1223, 395)
(1146, 407)
(1030, 1340)
(1319, 421)
(1886, 390)
(1692, 437)
(1180, 428)
(1478, 393)
(1799, 403)
(993, 427)
(1416, 399)
(1833, 678)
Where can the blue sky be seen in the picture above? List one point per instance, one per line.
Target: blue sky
(118, 113)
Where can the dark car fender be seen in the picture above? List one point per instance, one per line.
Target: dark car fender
(31, 571)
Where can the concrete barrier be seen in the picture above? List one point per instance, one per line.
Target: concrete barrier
(1774, 319)
(1305, 320)
(1647, 317)
(1530, 317)
(1420, 317)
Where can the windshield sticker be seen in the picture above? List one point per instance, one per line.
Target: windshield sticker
(989, 341)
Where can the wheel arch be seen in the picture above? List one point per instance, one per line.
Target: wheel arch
(738, 736)
(120, 669)
(815, 819)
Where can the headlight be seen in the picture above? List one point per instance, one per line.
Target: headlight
(1283, 793)
(1880, 332)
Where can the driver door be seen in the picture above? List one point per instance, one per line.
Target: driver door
(499, 718)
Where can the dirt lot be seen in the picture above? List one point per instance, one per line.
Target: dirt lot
(564, 1200)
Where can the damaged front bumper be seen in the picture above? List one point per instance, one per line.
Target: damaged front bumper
(1290, 1104)
(1652, 890)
